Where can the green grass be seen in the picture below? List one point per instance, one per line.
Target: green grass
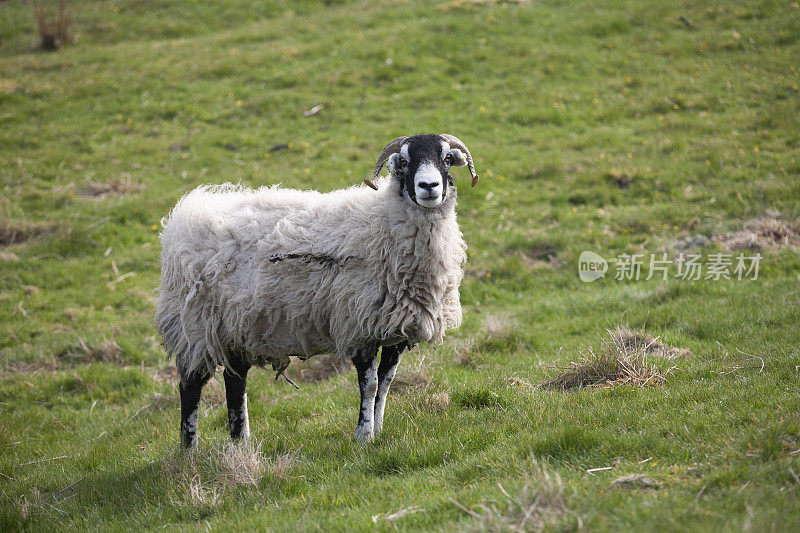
(559, 103)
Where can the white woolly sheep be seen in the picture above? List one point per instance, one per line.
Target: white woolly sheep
(250, 277)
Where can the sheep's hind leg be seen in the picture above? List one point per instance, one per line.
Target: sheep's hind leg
(190, 387)
(366, 363)
(235, 385)
(390, 358)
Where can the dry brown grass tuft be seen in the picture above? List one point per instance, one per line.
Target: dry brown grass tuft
(520, 383)
(637, 340)
(33, 502)
(635, 481)
(53, 27)
(466, 353)
(76, 354)
(166, 374)
(550, 261)
(437, 402)
(242, 463)
(539, 504)
(207, 475)
(539, 254)
(202, 494)
(496, 326)
(413, 376)
(768, 232)
(623, 359)
(13, 233)
(410, 379)
(105, 352)
(318, 368)
(116, 187)
(280, 465)
(44, 364)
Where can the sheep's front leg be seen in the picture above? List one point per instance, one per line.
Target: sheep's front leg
(235, 385)
(390, 358)
(366, 363)
(191, 386)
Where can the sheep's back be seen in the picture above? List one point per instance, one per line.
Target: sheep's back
(272, 270)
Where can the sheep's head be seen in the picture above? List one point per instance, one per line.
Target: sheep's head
(422, 164)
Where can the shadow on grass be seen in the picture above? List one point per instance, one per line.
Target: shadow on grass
(160, 492)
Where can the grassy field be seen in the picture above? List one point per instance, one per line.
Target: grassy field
(621, 127)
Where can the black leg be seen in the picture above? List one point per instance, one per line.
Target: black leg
(235, 384)
(366, 363)
(191, 386)
(390, 358)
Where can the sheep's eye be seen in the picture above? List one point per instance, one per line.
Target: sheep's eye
(403, 162)
(448, 158)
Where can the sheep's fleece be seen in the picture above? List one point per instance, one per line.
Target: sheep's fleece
(277, 272)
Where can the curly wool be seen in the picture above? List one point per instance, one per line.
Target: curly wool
(275, 272)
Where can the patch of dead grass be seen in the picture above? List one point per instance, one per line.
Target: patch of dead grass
(8, 86)
(104, 352)
(538, 255)
(436, 403)
(638, 340)
(551, 261)
(496, 326)
(166, 374)
(116, 187)
(281, 465)
(242, 463)
(77, 354)
(208, 473)
(53, 27)
(768, 232)
(467, 353)
(539, 504)
(18, 233)
(32, 503)
(635, 481)
(625, 358)
(201, 494)
(520, 383)
(414, 374)
(410, 379)
(44, 364)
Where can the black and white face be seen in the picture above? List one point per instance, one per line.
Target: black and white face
(422, 168)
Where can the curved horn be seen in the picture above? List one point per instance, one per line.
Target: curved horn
(391, 148)
(455, 142)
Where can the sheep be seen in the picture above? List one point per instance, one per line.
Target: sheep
(252, 277)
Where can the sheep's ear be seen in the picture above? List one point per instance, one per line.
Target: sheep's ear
(391, 163)
(459, 159)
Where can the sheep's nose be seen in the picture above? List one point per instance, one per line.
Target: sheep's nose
(428, 186)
